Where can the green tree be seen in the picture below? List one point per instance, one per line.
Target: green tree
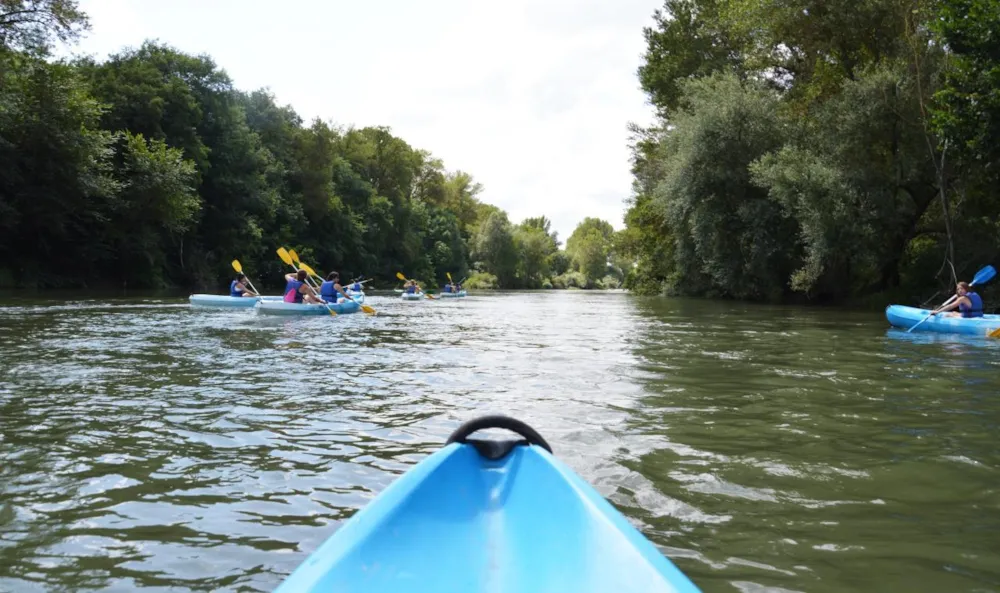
(32, 25)
(495, 249)
(154, 209)
(534, 246)
(56, 189)
(967, 110)
(589, 247)
(689, 40)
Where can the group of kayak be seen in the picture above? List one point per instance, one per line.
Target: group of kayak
(412, 291)
(302, 295)
(298, 289)
(962, 313)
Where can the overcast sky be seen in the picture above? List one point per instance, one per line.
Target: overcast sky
(531, 97)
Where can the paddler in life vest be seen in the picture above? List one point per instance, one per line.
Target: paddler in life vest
(410, 287)
(238, 287)
(968, 303)
(331, 290)
(298, 291)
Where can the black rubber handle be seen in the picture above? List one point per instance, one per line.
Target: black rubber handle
(512, 424)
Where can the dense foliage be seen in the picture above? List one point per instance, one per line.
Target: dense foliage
(823, 150)
(150, 169)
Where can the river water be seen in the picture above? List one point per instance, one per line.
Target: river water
(145, 445)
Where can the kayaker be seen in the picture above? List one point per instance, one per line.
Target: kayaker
(238, 288)
(446, 288)
(968, 303)
(411, 287)
(297, 290)
(329, 290)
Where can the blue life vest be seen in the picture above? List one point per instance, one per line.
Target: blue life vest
(356, 287)
(328, 292)
(976, 310)
(292, 294)
(411, 290)
(447, 288)
(233, 291)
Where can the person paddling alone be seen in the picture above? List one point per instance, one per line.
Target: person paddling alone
(238, 288)
(297, 290)
(968, 303)
(329, 290)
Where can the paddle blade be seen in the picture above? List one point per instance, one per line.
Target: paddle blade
(995, 333)
(449, 277)
(367, 309)
(295, 256)
(237, 266)
(285, 257)
(308, 269)
(985, 275)
(401, 276)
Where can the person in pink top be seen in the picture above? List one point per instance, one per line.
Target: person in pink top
(298, 291)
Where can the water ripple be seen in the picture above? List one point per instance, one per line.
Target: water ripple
(147, 445)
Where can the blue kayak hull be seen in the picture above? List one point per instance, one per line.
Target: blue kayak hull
(905, 317)
(460, 522)
(452, 295)
(280, 307)
(227, 302)
(412, 297)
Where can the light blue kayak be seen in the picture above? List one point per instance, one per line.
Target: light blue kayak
(280, 307)
(905, 317)
(452, 295)
(226, 301)
(478, 515)
(412, 297)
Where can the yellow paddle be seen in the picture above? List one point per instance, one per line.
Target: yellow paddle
(239, 270)
(364, 308)
(995, 333)
(287, 258)
(295, 258)
(404, 279)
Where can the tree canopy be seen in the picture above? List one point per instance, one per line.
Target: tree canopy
(820, 150)
(150, 169)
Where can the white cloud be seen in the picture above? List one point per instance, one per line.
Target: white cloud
(532, 97)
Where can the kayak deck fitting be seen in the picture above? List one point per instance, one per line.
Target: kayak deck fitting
(484, 515)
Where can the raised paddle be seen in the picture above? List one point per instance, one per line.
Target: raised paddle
(982, 277)
(295, 258)
(287, 258)
(364, 308)
(239, 270)
(404, 279)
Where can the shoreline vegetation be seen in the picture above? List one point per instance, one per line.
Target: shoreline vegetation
(826, 154)
(849, 155)
(151, 170)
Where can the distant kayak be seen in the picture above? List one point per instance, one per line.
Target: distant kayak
(905, 317)
(226, 301)
(280, 307)
(452, 295)
(483, 515)
(416, 296)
